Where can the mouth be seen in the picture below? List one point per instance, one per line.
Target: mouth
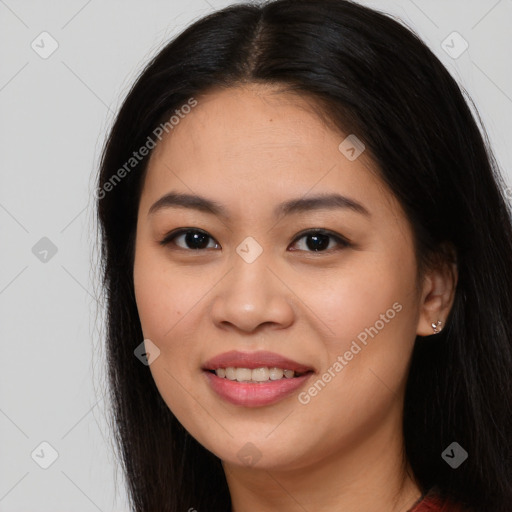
(254, 379)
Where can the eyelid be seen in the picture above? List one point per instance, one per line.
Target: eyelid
(341, 240)
(322, 231)
(169, 237)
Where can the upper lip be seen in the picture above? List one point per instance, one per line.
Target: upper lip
(252, 360)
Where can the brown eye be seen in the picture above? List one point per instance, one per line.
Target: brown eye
(320, 241)
(316, 241)
(191, 239)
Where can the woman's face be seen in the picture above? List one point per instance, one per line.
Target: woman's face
(342, 307)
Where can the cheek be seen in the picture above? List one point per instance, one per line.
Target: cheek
(169, 300)
(367, 294)
(165, 305)
(163, 297)
(374, 321)
(372, 313)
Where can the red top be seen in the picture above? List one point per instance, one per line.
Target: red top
(432, 503)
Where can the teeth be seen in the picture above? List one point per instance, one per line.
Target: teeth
(260, 374)
(243, 374)
(257, 375)
(231, 373)
(276, 373)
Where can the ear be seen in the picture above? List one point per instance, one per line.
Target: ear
(438, 293)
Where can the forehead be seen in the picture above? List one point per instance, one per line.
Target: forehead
(257, 142)
(230, 123)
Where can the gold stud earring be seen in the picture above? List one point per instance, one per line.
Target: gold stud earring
(436, 326)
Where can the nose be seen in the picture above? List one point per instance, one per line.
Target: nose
(251, 297)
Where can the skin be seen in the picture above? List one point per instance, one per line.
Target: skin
(251, 148)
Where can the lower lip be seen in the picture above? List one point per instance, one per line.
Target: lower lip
(255, 394)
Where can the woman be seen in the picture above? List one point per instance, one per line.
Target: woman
(307, 258)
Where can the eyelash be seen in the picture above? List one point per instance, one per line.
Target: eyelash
(343, 242)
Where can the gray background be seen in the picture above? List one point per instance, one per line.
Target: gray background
(54, 114)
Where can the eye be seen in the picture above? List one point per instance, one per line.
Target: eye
(318, 240)
(194, 239)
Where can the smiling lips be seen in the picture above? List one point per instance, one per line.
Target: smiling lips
(254, 379)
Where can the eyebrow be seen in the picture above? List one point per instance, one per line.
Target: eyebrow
(290, 207)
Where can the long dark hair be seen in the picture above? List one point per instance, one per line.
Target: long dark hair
(370, 76)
